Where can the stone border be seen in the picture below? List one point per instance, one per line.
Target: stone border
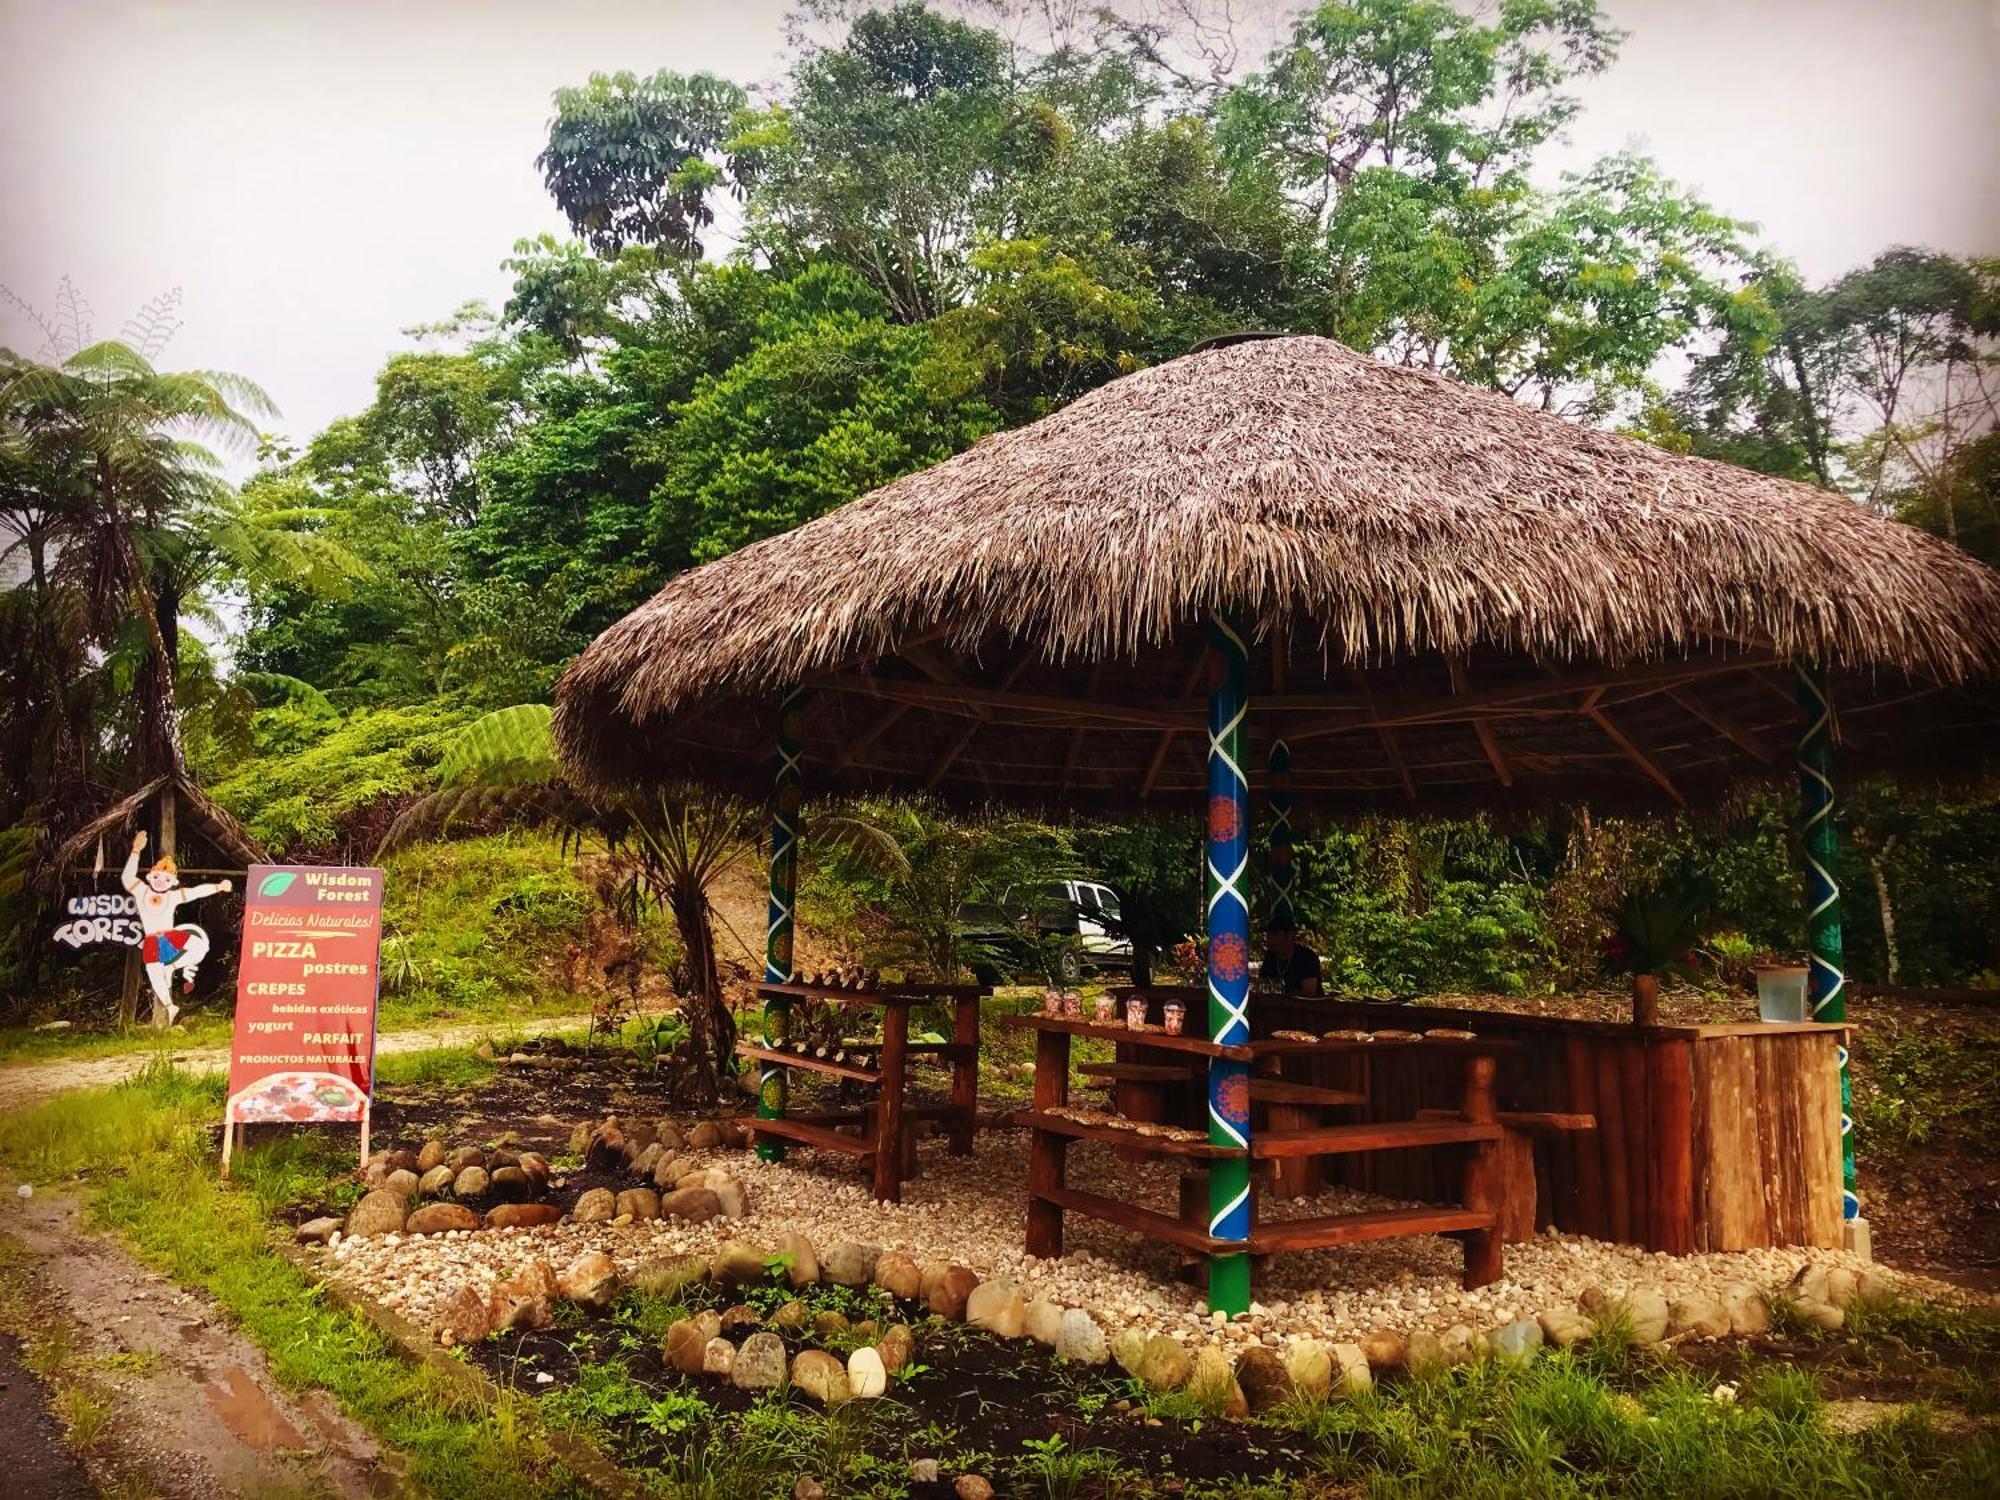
(596, 1472)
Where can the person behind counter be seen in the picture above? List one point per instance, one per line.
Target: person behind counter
(1288, 963)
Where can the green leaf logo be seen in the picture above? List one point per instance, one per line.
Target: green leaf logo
(277, 884)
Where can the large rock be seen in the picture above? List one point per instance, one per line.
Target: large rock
(718, 1358)
(1042, 1321)
(1079, 1340)
(741, 1264)
(1648, 1310)
(1424, 1352)
(316, 1231)
(696, 1205)
(732, 1200)
(867, 1374)
(441, 1218)
(1262, 1375)
(899, 1276)
(706, 1136)
(640, 1203)
(403, 1160)
(801, 1259)
(1749, 1313)
(1211, 1384)
(760, 1363)
(668, 1136)
(379, 1212)
(688, 1339)
(431, 1156)
(606, 1149)
(1352, 1374)
(829, 1323)
(522, 1300)
(403, 1183)
(512, 1183)
(463, 1319)
(1163, 1364)
(465, 1156)
(668, 1170)
(1128, 1347)
(522, 1215)
(598, 1206)
(849, 1264)
(435, 1182)
(1698, 1316)
(821, 1377)
(742, 1315)
(1309, 1367)
(1386, 1350)
(897, 1346)
(1518, 1342)
(996, 1306)
(591, 1279)
(536, 1167)
(946, 1289)
(470, 1183)
(1460, 1344)
(671, 1276)
(1565, 1327)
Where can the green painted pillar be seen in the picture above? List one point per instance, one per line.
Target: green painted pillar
(787, 793)
(1228, 968)
(1826, 984)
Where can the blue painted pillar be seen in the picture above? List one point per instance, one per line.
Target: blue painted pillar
(787, 793)
(1826, 985)
(1228, 966)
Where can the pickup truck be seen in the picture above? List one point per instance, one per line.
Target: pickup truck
(1056, 932)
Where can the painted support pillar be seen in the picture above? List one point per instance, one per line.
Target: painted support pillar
(1283, 877)
(1826, 985)
(1228, 967)
(787, 793)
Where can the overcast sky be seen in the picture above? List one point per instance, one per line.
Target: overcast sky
(316, 176)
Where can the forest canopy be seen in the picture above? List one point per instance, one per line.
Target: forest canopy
(938, 223)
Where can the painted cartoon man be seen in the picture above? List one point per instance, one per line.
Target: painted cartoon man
(166, 947)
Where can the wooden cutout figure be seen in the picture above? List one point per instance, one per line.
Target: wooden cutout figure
(165, 947)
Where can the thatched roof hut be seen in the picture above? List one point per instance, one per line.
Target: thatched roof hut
(1453, 600)
(206, 827)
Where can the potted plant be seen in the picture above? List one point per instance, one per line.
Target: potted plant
(1654, 933)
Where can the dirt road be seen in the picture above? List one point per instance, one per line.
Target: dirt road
(194, 1410)
(30, 1083)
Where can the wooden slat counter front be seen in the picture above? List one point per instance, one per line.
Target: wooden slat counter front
(1708, 1137)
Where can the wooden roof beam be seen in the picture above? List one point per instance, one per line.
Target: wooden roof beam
(1488, 740)
(1391, 746)
(1634, 754)
(1189, 686)
(1074, 752)
(1723, 724)
(979, 721)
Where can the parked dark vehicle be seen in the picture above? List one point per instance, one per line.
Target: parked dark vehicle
(1058, 933)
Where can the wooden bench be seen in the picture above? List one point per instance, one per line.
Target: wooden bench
(1519, 1192)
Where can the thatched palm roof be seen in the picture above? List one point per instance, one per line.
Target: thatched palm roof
(1454, 597)
(203, 820)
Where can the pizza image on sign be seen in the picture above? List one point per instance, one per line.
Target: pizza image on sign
(298, 1096)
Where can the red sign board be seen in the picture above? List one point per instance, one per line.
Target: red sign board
(304, 1047)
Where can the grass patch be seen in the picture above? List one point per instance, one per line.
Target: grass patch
(149, 1147)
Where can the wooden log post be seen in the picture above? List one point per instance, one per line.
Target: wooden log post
(1484, 1257)
(1827, 985)
(964, 1074)
(1047, 1151)
(787, 795)
(1228, 866)
(889, 1123)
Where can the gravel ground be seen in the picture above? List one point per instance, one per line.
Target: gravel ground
(971, 1210)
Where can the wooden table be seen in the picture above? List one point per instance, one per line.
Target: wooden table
(1475, 1130)
(885, 1143)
